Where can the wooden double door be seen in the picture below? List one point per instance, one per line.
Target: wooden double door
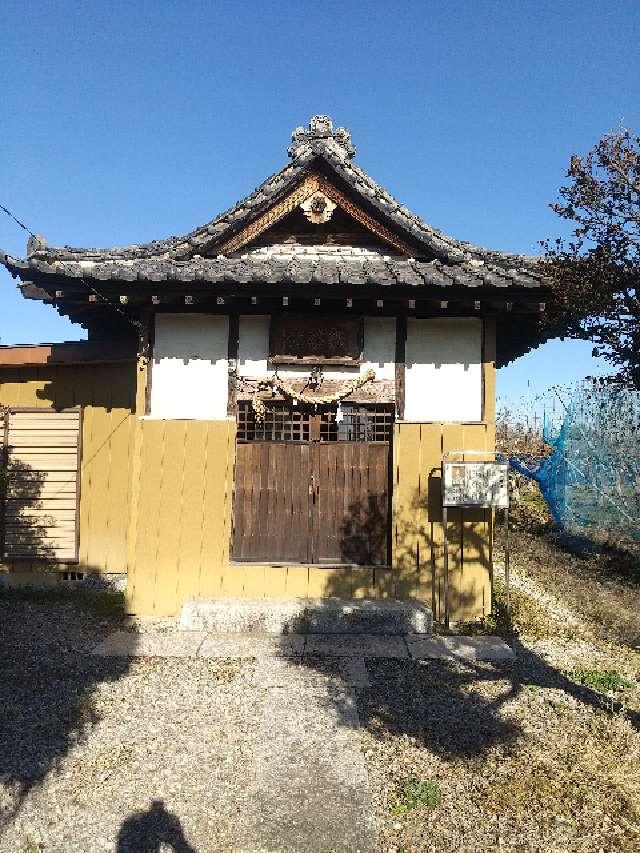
(322, 502)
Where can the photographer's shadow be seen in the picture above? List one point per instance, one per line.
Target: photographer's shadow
(152, 831)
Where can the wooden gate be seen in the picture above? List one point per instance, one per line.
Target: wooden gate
(310, 489)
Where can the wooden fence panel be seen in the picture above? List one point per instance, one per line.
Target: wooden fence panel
(39, 522)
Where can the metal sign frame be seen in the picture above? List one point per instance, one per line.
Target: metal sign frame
(496, 461)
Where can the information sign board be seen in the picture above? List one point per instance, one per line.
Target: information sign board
(475, 484)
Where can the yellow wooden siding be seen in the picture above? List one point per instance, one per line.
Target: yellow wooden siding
(181, 547)
(181, 544)
(107, 396)
(418, 535)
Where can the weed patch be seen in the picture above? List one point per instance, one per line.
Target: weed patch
(415, 793)
(605, 681)
(527, 616)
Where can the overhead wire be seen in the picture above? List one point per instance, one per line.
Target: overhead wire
(135, 323)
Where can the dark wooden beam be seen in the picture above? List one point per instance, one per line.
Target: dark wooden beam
(149, 322)
(401, 341)
(232, 356)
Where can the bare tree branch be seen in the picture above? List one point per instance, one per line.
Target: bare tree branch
(595, 275)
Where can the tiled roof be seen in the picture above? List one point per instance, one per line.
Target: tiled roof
(380, 270)
(318, 146)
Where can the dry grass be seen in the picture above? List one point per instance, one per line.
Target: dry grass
(539, 756)
(599, 586)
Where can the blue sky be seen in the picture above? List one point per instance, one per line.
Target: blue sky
(125, 122)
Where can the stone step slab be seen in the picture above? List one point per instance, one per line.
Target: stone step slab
(296, 647)
(306, 616)
(459, 648)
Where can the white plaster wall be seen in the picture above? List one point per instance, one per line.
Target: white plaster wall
(253, 345)
(378, 353)
(443, 380)
(190, 376)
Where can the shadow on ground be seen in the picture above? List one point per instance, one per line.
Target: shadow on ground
(47, 686)
(152, 831)
(454, 708)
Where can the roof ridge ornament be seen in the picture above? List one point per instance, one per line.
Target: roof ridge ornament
(321, 136)
(35, 243)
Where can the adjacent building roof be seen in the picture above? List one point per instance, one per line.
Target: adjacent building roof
(66, 353)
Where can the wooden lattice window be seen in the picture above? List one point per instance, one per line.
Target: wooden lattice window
(284, 422)
(359, 423)
(281, 423)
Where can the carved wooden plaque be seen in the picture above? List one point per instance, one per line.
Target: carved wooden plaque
(315, 340)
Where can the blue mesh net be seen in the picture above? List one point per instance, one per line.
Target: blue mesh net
(591, 480)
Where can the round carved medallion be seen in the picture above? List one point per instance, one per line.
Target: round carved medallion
(318, 208)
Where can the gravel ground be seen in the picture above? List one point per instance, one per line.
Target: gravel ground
(121, 754)
(525, 758)
(98, 754)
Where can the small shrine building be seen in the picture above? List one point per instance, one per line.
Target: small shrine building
(262, 405)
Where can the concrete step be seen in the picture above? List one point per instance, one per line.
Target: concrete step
(306, 616)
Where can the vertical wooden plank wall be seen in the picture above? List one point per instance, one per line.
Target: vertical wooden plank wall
(418, 534)
(181, 540)
(107, 395)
